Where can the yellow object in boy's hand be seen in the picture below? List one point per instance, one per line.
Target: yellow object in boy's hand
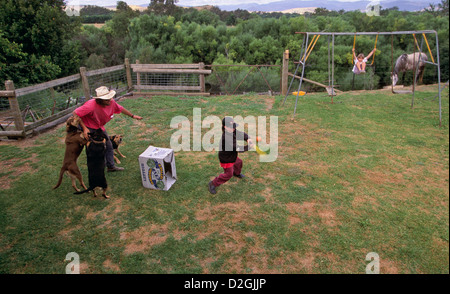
(259, 151)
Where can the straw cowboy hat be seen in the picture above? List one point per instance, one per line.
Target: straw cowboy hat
(104, 93)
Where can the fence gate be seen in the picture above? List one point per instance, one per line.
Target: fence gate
(169, 79)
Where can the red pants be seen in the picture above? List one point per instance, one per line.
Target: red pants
(228, 173)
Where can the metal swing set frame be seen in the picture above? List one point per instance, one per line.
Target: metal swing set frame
(309, 45)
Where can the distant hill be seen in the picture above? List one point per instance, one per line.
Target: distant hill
(404, 5)
(301, 6)
(302, 10)
(134, 7)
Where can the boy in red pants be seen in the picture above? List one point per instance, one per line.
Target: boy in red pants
(228, 153)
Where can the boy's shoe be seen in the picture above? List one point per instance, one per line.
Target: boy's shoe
(240, 176)
(212, 188)
(116, 168)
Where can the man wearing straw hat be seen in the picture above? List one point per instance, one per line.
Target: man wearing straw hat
(95, 113)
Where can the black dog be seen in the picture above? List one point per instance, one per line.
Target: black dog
(95, 153)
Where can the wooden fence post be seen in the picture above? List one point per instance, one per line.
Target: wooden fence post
(201, 65)
(14, 105)
(129, 77)
(284, 73)
(84, 80)
(138, 77)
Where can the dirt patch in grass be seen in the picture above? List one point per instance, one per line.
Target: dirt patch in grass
(326, 214)
(374, 177)
(328, 217)
(10, 166)
(311, 209)
(144, 238)
(270, 101)
(233, 212)
(12, 171)
(305, 261)
(267, 194)
(245, 248)
(109, 265)
(363, 200)
(247, 253)
(84, 268)
(108, 216)
(301, 208)
(67, 232)
(110, 212)
(388, 267)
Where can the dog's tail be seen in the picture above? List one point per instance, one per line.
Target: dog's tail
(84, 191)
(61, 174)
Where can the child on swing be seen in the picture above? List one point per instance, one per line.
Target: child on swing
(360, 61)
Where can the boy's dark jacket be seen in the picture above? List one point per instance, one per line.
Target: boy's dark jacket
(228, 148)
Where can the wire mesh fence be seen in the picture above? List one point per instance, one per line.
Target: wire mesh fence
(115, 78)
(4, 104)
(55, 100)
(37, 103)
(166, 82)
(168, 79)
(46, 104)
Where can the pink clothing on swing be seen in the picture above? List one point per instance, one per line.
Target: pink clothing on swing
(355, 68)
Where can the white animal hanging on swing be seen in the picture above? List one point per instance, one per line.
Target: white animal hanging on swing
(409, 62)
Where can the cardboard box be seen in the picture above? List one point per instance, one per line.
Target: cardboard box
(158, 169)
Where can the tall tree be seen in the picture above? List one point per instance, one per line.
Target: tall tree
(42, 29)
(443, 6)
(40, 26)
(121, 19)
(10, 53)
(163, 6)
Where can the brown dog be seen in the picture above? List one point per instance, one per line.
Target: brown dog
(116, 140)
(75, 142)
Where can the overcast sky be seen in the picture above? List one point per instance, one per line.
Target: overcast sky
(180, 2)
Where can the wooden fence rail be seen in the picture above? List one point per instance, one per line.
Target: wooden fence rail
(21, 129)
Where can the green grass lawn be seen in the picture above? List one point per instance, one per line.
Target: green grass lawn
(364, 174)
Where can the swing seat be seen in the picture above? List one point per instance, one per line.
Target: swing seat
(301, 93)
(331, 91)
(399, 89)
(402, 91)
